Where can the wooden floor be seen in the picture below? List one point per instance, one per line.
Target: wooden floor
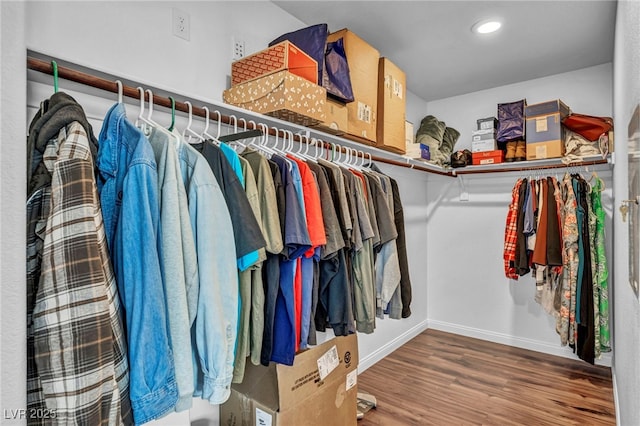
(445, 379)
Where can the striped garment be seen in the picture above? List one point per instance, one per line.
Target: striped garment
(78, 352)
(511, 233)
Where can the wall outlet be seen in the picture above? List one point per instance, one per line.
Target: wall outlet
(181, 24)
(237, 47)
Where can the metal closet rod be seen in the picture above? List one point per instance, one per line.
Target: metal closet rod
(87, 79)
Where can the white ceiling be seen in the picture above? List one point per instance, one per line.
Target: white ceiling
(433, 43)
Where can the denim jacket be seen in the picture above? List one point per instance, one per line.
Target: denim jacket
(128, 186)
(216, 326)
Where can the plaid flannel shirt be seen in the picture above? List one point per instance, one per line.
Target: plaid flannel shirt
(511, 233)
(78, 349)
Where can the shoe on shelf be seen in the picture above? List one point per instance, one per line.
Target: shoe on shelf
(461, 158)
(510, 155)
(521, 151)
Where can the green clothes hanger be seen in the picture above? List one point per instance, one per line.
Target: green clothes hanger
(54, 64)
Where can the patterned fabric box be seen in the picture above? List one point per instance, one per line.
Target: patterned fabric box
(279, 57)
(282, 95)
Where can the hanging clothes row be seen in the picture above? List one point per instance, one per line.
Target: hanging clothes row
(555, 230)
(159, 261)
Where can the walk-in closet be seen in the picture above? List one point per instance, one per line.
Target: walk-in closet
(272, 269)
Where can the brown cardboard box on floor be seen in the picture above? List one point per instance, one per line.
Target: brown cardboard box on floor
(282, 95)
(363, 70)
(319, 389)
(392, 107)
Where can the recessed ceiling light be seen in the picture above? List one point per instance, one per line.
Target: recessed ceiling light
(486, 27)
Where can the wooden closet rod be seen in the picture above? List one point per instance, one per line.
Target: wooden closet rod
(131, 92)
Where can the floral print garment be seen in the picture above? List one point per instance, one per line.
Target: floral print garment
(566, 323)
(594, 275)
(602, 273)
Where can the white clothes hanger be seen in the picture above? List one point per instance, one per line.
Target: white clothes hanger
(204, 134)
(141, 122)
(188, 133)
(120, 88)
(150, 113)
(316, 143)
(262, 144)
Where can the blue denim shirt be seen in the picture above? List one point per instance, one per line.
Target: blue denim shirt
(128, 187)
(216, 326)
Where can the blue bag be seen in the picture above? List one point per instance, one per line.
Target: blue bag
(333, 69)
(511, 121)
(310, 40)
(336, 78)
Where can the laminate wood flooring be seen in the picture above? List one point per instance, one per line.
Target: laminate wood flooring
(440, 378)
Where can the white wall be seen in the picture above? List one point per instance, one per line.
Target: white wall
(468, 292)
(13, 182)
(133, 40)
(627, 308)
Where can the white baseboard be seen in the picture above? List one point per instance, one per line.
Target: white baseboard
(394, 344)
(506, 339)
(616, 404)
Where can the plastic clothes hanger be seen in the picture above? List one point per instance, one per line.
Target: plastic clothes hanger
(262, 145)
(215, 139)
(120, 89)
(319, 146)
(150, 109)
(54, 65)
(370, 161)
(173, 113)
(141, 122)
(188, 133)
(304, 141)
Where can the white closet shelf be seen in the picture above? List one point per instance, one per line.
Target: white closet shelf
(230, 114)
(596, 163)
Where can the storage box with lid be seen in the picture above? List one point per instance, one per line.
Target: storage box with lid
(487, 123)
(544, 131)
(487, 157)
(363, 70)
(282, 95)
(392, 106)
(319, 389)
(484, 140)
(284, 56)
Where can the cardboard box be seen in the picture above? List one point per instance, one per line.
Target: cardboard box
(487, 157)
(392, 106)
(284, 56)
(412, 148)
(546, 108)
(282, 95)
(544, 131)
(363, 71)
(319, 389)
(542, 150)
(487, 123)
(336, 121)
(484, 145)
